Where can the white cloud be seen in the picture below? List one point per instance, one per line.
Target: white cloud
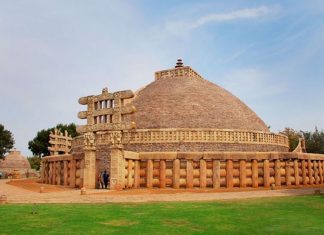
(241, 14)
(251, 84)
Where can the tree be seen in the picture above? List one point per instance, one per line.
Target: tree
(314, 141)
(39, 145)
(34, 162)
(293, 137)
(6, 141)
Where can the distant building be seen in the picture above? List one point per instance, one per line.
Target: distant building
(15, 165)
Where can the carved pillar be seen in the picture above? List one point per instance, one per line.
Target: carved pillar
(149, 173)
(130, 174)
(176, 173)
(54, 173)
(255, 174)
(310, 172)
(89, 171)
(304, 173)
(296, 171)
(58, 172)
(277, 172)
(72, 173)
(162, 173)
(242, 173)
(288, 182)
(189, 174)
(137, 174)
(216, 173)
(203, 173)
(316, 172)
(266, 173)
(117, 169)
(65, 173)
(229, 174)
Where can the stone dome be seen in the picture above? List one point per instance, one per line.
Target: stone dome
(181, 98)
(14, 160)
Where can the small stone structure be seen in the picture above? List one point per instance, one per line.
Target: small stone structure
(180, 131)
(15, 165)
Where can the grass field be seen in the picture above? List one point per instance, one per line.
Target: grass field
(288, 215)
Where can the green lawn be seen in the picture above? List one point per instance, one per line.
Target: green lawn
(288, 215)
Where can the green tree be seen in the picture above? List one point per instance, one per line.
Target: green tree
(6, 141)
(293, 137)
(314, 141)
(34, 162)
(39, 145)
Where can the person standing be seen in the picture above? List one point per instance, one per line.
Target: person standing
(105, 179)
(100, 180)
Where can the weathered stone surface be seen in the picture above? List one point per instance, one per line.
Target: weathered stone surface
(189, 101)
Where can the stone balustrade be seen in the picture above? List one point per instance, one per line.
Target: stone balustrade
(204, 135)
(144, 136)
(178, 72)
(66, 170)
(223, 170)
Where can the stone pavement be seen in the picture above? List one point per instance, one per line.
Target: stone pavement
(20, 195)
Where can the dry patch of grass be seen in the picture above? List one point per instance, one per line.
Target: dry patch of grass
(182, 223)
(120, 222)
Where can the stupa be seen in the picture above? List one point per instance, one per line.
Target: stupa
(179, 131)
(15, 165)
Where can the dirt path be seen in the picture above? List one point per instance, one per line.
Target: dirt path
(27, 191)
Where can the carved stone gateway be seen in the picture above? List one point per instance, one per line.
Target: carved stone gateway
(105, 114)
(60, 143)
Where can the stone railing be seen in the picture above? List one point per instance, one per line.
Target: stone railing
(63, 170)
(223, 170)
(204, 135)
(143, 136)
(177, 72)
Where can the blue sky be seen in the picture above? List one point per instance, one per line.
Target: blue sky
(268, 53)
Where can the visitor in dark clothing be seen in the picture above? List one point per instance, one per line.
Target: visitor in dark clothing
(105, 179)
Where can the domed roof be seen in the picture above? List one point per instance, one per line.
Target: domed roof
(15, 160)
(181, 98)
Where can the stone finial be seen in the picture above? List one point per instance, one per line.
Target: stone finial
(104, 90)
(179, 63)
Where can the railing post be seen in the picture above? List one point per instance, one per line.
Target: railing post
(149, 173)
(176, 173)
(216, 173)
(242, 173)
(296, 169)
(203, 173)
(255, 174)
(189, 174)
(162, 173)
(266, 173)
(229, 174)
(277, 173)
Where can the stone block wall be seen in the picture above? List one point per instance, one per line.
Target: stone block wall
(200, 146)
